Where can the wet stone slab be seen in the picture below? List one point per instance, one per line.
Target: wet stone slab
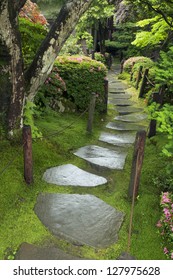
(33, 252)
(121, 102)
(124, 126)
(71, 175)
(103, 157)
(79, 219)
(128, 110)
(119, 139)
(120, 96)
(135, 117)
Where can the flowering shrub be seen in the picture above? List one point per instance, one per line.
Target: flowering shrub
(82, 76)
(165, 224)
(140, 60)
(31, 12)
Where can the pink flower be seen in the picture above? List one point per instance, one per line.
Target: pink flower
(165, 250)
(159, 224)
(165, 198)
(172, 255)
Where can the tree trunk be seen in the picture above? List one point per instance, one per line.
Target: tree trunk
(11, 65)
(15, 85)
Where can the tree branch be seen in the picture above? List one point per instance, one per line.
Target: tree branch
(18, 4)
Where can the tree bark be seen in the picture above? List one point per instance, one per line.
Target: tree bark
(13, 66)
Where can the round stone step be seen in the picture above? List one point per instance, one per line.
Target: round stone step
(135, 117)
(120, 95)
(120, 139)
(121, 102)
(33, 252)
(103, 157)
(80, 219)
(124, 126)
(128, 110)
(71, 175)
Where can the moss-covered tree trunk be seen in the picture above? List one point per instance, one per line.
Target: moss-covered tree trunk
(16, 85)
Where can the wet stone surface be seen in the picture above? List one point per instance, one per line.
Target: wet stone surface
(103, 157)
(120, 95)
(71, 175)
(128, 110)
(33, 252)
(124, 126)
(121, 102)
(119, 139)
(80, 219)
(135, 117)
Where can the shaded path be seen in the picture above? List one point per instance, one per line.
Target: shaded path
(86, 219)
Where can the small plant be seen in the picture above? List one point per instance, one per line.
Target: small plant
(29, 111)
(165, 224)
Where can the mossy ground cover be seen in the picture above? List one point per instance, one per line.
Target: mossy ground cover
(18, 222)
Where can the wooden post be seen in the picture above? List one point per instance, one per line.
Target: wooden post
(93, 54)
(131, 74)
(158, 98)
(144, 82)
(27, 150)
(91, 112)
(105, 95)
(139, 76)
(138, 156)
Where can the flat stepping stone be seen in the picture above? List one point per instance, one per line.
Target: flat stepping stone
(121, 102)
(124, 126)
(80, 219)
(136, 117)
(128, 110)
(120, 95)
(103, 157)
(33, 252)
(125, 256)
(71, 175)
(118, 139)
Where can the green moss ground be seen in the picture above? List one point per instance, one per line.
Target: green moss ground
(18, 222)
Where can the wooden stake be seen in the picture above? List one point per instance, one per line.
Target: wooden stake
(105, 95)
(144, 82)
(91, 112)
(139, 76)
(138, 156)
(27, 150)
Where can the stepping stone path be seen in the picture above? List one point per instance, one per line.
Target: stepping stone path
(83, 218)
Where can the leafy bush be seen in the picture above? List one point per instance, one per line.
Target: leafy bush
(165, 224)
(82, 76)
(32, 35)
(137, 61)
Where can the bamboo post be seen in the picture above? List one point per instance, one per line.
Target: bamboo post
(93, 54)
(139, 76)
(144, 82)
(91, 112)
(137, 161)
(27, 151)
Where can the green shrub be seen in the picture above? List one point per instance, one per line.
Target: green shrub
(32, 35)
(137, 61)
(82, 76)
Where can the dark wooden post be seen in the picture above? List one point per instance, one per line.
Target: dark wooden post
(27, 149)
(139, 76)
(91, 112)
(144, 82)
(131, 74)
(158, 98)
(105, 95)
(138, 156)
(93, 54)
